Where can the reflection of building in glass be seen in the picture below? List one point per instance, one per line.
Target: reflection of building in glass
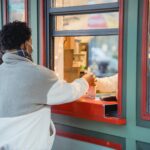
(16, 10)
(67, 3)
(87, 21)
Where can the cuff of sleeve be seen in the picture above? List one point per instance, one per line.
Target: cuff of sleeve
(85, 82)
(86, 85)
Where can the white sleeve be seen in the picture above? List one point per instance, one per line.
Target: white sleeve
(63, 92)
(107, 84)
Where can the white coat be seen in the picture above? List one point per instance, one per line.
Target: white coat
(27, 92)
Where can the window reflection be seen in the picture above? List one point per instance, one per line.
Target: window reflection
(68, 3)
(16, 10)
(87, 21)
(103, 55)
(73, 55)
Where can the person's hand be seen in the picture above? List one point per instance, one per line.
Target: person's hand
(90, 78)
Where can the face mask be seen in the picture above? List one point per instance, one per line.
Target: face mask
(22, 53)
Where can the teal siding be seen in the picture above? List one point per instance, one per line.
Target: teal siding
(62, 143)
(130, 132)
(33, 21)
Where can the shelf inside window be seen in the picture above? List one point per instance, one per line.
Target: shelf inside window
(91, 109)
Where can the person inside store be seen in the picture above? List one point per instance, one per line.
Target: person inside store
(108, 84)
(27, 91)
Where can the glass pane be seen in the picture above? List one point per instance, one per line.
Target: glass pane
(87, 21)
(16, 10)
(73, 55)
(148, 66)
(68, 3)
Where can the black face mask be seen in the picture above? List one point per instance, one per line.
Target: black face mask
(24, 54)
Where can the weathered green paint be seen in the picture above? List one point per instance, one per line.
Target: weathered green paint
(95, 134)
(33, 21)
(124, 84)
(142, 145)
(140, 122)
(62, 143)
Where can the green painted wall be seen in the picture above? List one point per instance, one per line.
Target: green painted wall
(33, 21)
(62, 143)
(131, 132)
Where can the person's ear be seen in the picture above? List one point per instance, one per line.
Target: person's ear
(26, 45)
(23, 46)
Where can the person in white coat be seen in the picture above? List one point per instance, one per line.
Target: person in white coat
(27, 91)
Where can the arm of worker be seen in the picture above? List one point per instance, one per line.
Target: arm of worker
(62, 92)
(107, 84)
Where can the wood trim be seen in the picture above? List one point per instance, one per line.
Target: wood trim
(26, 10)
(120, 54)
(42, 34)
(89, 139)
(6, 13)
(144, 114)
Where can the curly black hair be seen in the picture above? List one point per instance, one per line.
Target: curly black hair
(13, 35)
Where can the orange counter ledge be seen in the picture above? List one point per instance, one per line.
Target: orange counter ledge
(91, 109)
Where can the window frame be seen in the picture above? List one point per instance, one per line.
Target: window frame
(6, 12)
(52, 4)
(144, 114)
(42, 31)
(109, 7)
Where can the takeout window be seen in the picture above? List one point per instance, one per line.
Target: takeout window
(97, 54)
(90, 38)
